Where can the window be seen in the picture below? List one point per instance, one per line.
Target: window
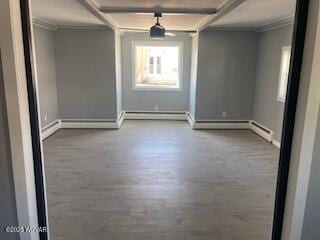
(284, 73)
(157, 65)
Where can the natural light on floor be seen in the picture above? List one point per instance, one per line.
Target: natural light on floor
(157, 67)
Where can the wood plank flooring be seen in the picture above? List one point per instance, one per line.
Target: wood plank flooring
(160, 180)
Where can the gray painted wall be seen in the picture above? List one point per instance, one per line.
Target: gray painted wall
(135, 100)
(311, 229)
(86, 73)
(267, 110)
(226, 74)
(46, 74)
(8, 213)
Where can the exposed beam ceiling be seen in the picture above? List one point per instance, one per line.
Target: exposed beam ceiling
(103, 12)
(185, 15)
(223, 10)
(93, 7)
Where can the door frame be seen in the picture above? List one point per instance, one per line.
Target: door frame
(298, 40)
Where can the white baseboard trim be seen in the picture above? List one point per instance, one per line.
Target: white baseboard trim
(50, 129)
(262, 131)
(89, 123)
(276, 143)
(257, 128)
(81, 123)
(221, 124)
(156, 116)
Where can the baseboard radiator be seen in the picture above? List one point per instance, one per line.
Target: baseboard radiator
(50, 129)
(81, 123)
(259, 129)
(262, 131)
(137, 115)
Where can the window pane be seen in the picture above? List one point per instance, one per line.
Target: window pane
(151, 64)
(157, 67)
(284, 73)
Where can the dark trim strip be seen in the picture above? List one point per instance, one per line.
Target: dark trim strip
(34, 121)
(298, 40)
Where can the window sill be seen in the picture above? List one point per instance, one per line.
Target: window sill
(152, 89)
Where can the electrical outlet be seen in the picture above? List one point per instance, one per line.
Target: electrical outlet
(45, 117)
(156, 108)
(224, 114)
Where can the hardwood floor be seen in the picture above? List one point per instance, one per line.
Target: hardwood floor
(155, 180)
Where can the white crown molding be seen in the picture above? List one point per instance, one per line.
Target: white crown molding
(44, 24)
(280, 22)
(51, 26)
(213, 28)
(274, 24)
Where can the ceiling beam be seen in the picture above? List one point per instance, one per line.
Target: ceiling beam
(222, 11)
(93, 7)
(205, 11)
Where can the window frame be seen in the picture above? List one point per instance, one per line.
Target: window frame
(283, 49)
(157, 44)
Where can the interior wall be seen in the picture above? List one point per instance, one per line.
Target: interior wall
(8, 211)
(142, 100)
(312, 211)
(86, 73)
(46, 74)
(226, 74)
(267, 110)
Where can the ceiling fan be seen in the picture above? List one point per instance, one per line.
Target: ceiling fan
(157, 30)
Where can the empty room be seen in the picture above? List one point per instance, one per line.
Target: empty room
(161, 137)
(164, 119)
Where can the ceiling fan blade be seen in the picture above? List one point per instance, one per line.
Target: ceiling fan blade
(182, 31)
(170, 34)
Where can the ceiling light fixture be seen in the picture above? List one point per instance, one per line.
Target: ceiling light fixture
(157, 31)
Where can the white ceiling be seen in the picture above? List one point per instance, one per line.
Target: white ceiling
(250, 14)
(256, 13)
(144, 21)
(63, 12)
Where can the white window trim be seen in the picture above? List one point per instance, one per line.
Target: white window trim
(279, 98)
(162, 44)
